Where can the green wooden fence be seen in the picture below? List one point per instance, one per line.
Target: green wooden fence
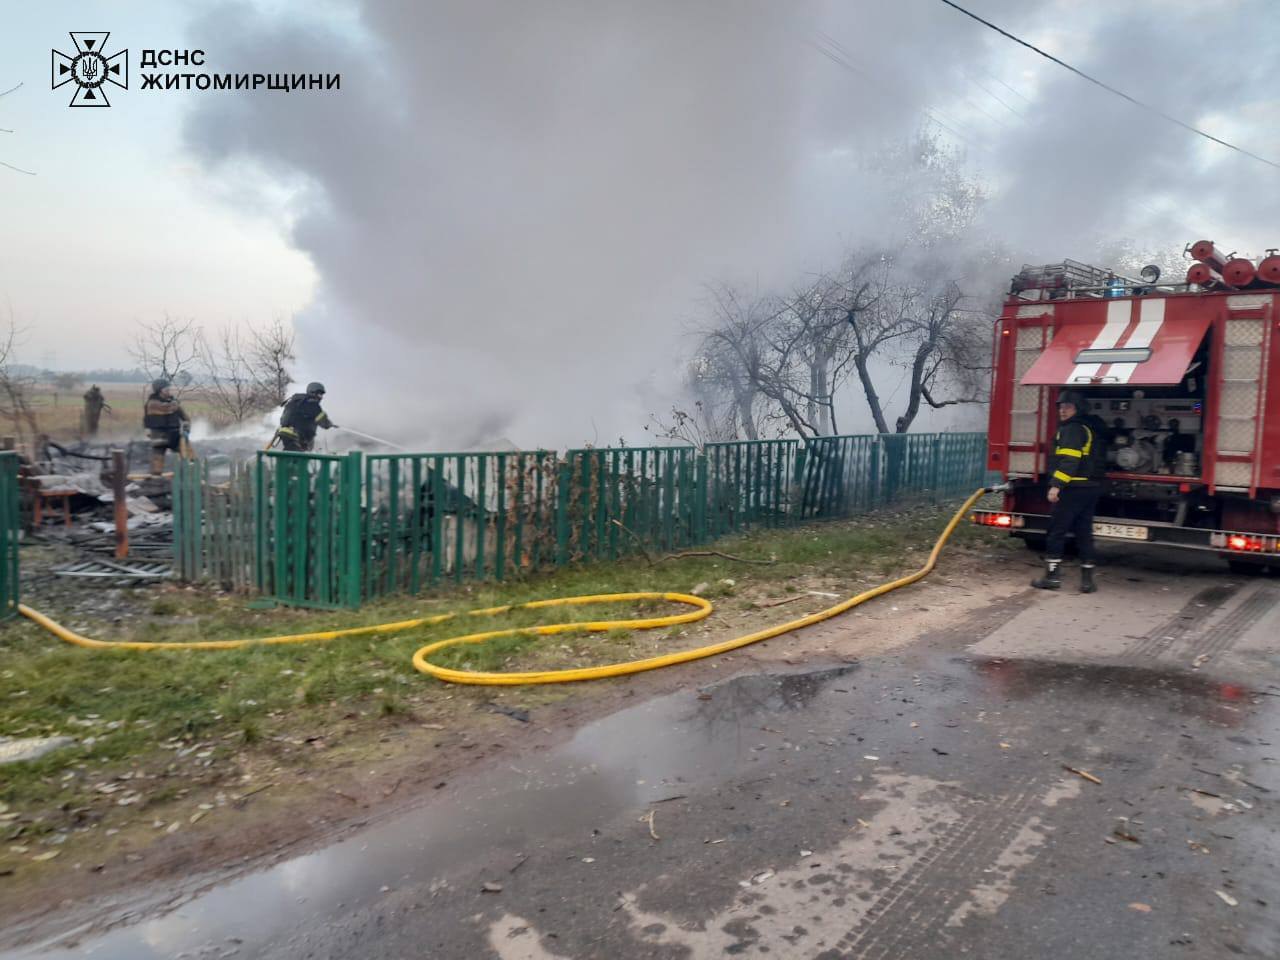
(456, 516)
(10, 532)
(215, 523)
(749, 483)
(312, 530)
(309, 528)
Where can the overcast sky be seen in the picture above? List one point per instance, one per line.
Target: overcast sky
(501, 223)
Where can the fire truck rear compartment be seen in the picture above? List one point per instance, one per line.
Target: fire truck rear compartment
(1176, 379)
(1155, 444)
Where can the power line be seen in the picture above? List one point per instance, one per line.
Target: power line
(1002, 103)
(841, 55)
(1110, 89)
(838, 53)
(990, 116)
(1013, 90)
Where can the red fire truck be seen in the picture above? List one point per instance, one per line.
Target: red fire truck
(1185, 375)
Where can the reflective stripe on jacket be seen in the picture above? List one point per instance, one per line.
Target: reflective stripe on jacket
(301, 416)
(1079, 454)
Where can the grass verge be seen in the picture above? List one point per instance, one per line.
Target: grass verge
(159, 730)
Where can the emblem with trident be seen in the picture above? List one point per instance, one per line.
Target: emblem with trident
(90, 69)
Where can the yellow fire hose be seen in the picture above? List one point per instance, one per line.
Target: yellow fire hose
(701, 609)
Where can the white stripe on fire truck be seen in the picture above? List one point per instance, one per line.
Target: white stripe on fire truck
(1150, 319)
(1117, 322)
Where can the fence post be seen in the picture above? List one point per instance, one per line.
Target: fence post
(260, 514)
(353, 528)
(937, 467)
(120, 501)
(564, 472)
(10, 527)
(873, 501)
(179, 539)
(700, 497)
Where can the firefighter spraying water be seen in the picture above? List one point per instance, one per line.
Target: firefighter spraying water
(302, 416)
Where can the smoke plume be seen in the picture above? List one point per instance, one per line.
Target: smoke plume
(513, 206)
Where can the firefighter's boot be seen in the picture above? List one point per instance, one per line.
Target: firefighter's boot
(1087, 584)
(157, 461)
(1052, 579)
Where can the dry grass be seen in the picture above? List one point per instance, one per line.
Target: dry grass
(58, 411)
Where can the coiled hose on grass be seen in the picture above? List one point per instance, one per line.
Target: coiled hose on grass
(701, 609)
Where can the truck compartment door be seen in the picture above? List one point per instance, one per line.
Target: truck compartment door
(1136, 342)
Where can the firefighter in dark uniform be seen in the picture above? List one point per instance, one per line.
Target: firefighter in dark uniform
(1076, 473)
(166, 423)
(94, 404)
(300, 418)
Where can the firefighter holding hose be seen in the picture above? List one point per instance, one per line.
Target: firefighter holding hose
(300, 419)
(1075, 484)
(166, 423)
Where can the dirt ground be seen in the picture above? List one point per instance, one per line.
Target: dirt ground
(166, 821)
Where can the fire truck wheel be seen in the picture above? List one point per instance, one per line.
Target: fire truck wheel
(1034, 542)
(1245, 568)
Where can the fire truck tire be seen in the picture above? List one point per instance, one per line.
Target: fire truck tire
(1245, 568)
(1034, 541)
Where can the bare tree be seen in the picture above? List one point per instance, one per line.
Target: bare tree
(270, 357)
(230, 387)
(246, 374)
(10, 166)
(899, 306)
(733, 348)
(918, 319)
(15, 390)
(924, 329)
(880, 315)
(167, 349)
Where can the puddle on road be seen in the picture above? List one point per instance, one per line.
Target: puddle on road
(1187, 693)
(647, 753)
(671, 746)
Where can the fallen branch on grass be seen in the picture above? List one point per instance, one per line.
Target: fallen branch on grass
(778, 603)
(685, 553)
(239, 801)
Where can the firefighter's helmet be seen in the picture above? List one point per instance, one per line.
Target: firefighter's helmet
(1075, 398)
(315, 387)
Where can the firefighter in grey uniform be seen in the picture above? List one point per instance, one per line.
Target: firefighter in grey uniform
(1077, 470)
(300, 419)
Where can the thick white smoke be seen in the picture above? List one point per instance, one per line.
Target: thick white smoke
(513, 206)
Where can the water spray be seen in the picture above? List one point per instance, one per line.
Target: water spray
(367, 436)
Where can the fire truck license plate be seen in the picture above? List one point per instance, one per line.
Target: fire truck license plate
(1121, 531)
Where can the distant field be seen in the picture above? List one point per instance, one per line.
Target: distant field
(58, 411)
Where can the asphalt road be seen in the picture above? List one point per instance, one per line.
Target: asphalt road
(916, 805)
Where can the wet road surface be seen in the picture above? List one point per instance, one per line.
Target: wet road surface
(915, 805)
